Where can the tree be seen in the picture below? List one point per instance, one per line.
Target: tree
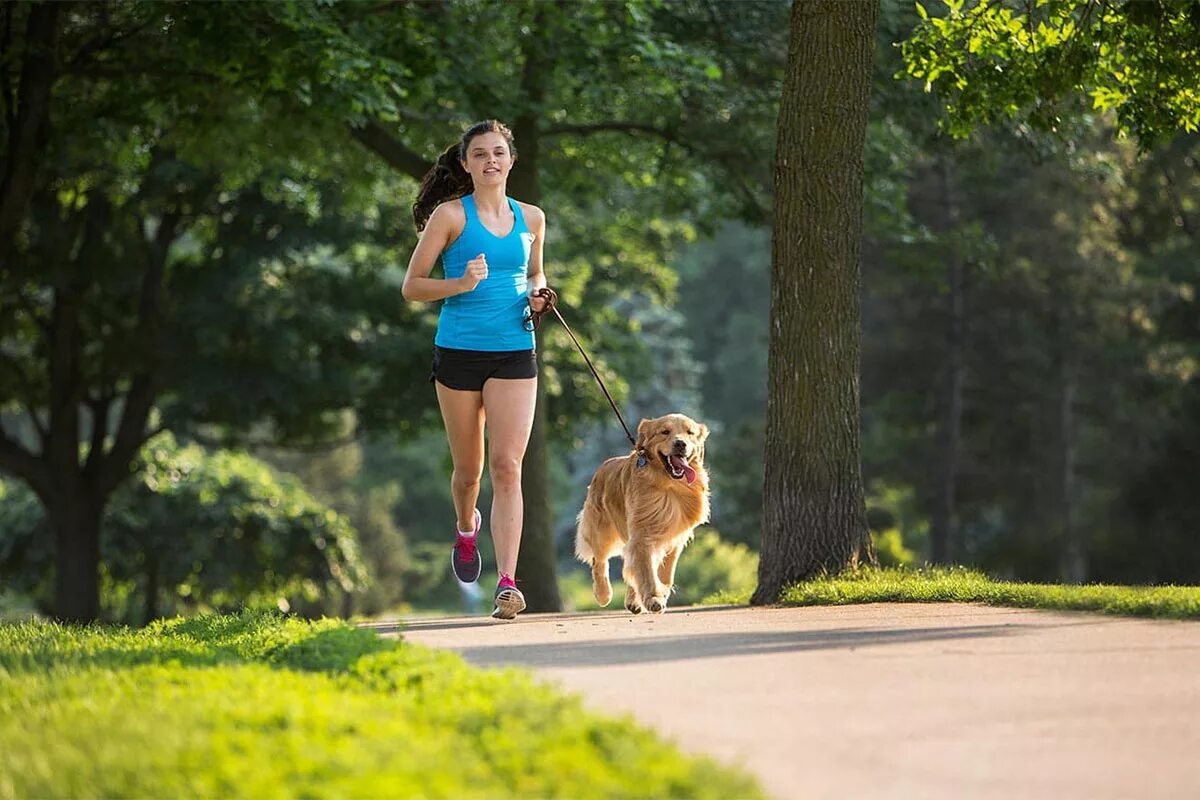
(813, 513)
(991, 61)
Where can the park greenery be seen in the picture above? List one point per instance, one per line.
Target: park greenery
(257, 705)
(958, 585)
(211, 393)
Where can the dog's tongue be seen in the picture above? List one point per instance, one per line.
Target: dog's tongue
(680, 464)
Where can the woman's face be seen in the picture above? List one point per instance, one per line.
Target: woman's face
(488, 159)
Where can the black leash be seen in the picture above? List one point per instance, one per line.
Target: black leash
(551, 298)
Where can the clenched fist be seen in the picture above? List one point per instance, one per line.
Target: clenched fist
(476, 271)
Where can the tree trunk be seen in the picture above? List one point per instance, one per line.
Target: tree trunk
(76, 524)
(1073, 566)
(942, 529)
(151, 598)
(814, 517)
(537, 557)
(27, 136)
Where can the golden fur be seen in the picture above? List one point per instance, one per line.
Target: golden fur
(644, 513)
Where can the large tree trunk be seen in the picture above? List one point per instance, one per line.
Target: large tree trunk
(950, 405)
(814, 517)
(76, 522)
(537, 557)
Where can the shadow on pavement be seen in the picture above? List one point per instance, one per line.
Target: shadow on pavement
(644, 650)
(389, 627)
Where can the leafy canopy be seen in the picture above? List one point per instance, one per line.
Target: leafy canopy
(1031, 61)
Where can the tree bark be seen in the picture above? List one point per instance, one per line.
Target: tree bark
(1073, 560)
(76, 522)
(537, 558)
(814, 518)
(28, 136)
(943, 535)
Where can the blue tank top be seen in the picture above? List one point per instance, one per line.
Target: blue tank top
(492, 315)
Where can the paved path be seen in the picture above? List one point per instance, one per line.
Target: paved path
(884, 701)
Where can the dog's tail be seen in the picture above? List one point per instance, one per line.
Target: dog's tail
(583, 550)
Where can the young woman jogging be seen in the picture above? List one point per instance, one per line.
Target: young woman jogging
(484, 366)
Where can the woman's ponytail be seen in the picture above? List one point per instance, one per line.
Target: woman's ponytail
(446, 180)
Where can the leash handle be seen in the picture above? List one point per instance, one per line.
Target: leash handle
(552, 305)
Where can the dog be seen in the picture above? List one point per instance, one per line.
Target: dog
(646, 506)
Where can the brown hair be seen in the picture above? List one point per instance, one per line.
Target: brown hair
(447, 179)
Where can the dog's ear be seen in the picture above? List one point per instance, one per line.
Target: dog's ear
(700, 442)
(643, 433)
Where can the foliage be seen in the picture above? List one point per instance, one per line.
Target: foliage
(207, 530)
(710, 565)
(996, 61)
(256, 705)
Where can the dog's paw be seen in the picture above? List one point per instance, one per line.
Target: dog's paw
(603, 594)
(632, 603)
(656, 605)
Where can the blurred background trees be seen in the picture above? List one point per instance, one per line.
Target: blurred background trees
(205, 219)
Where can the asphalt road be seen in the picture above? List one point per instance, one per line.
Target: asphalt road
(883, 701)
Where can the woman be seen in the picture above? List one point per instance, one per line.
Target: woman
(484, 367)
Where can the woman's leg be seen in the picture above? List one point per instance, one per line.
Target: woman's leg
(508, 404)
(462, 413)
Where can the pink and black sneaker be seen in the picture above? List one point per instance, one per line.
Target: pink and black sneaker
(509, 600)
(465, 559)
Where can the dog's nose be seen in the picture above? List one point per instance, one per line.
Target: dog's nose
(680, 447)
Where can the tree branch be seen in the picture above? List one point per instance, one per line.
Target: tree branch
(612, 127)
(378, 140)
(99, 408)
(104, 41)
(20, 463)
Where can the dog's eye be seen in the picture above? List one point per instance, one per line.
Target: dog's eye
(666, 431)
(691, 432)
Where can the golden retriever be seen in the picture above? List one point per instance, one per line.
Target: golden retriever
(645, 505)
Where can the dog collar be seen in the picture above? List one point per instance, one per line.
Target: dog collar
(642, 460)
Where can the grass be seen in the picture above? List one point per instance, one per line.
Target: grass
(896, 585)
(258, 705)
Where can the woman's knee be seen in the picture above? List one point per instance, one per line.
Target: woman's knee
(466, 478)
(505, 471)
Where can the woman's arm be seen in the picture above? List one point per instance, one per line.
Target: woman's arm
(444, 225)
(536, 276)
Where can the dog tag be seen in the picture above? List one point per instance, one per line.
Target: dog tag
(642, 460)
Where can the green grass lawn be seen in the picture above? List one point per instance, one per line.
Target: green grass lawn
(257, 705)
(965, 586)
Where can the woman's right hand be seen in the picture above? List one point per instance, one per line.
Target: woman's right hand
(476, 271)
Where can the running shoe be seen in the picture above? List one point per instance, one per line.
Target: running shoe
(509, 600)
(465, 559)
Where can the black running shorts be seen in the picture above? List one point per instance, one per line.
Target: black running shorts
(466, 370)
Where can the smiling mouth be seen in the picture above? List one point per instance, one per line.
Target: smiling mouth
(678, 468)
